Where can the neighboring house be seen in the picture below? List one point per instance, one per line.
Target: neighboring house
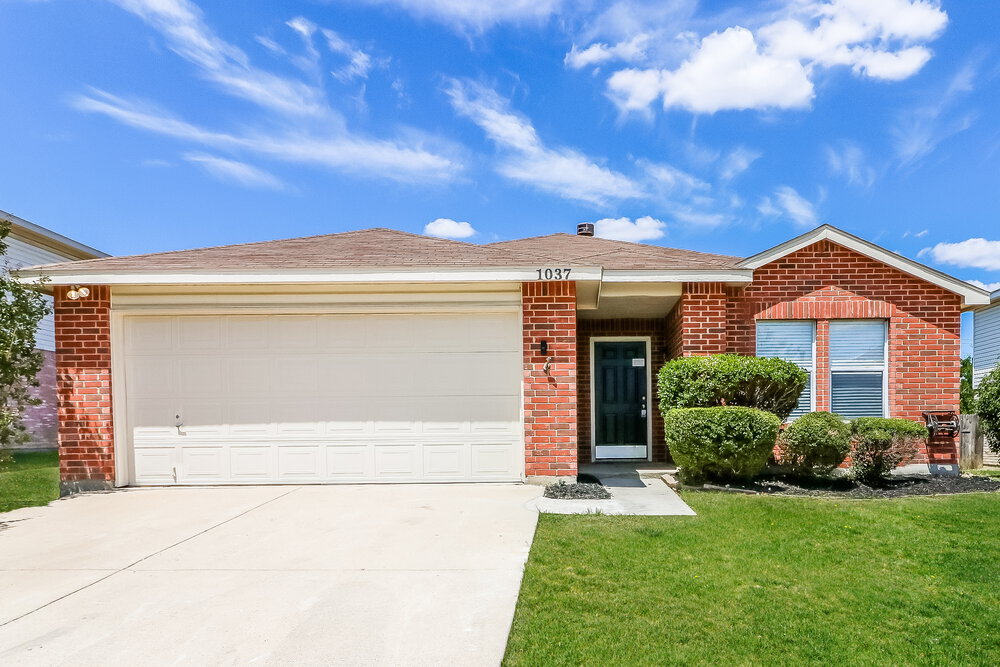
(382, 356)
(28, 245)
(986, 352)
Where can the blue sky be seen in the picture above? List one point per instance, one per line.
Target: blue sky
(147, 125)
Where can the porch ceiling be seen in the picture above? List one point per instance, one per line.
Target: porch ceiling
(637, 300)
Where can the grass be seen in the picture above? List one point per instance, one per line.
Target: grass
(763, 580)
(985, 472)
(31, 479)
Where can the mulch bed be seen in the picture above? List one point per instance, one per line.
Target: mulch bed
(846, 488)
(583, 489)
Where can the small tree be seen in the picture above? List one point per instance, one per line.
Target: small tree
(22, 307)
(967, 403)
(987, 406)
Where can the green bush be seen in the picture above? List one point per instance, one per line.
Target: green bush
(987, 406)
(723, 443)
(764, 383)
(815, 443)
(882, 444)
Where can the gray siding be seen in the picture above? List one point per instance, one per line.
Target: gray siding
(985, 341)
(20, 253)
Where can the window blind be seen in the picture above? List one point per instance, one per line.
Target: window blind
(791, 341)
(857, 368)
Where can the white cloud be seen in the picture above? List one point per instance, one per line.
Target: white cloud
(848, 159)
(917, 235)
(346, 153)
(773, 68)
(788, 203)
(526, 159)
(316, 133)
(233, 171)
(645, 228)
(977, 253)
(919, 130)
(728, 71)
(477, 15)
(989, 287)
(449, 229)
(736, 162)
(595, 54)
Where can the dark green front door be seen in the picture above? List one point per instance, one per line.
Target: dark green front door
(620, 407)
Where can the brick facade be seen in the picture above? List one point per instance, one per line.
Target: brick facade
(656, 330)
(824, 282)
(550, 396)
(697, 324)
(83, 382)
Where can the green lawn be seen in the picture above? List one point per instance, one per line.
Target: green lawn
(32, 479)
(986, 472)
(766, 580)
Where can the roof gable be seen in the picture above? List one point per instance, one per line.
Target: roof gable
(971, 295)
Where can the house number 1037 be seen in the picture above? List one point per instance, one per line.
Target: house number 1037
(553, 274)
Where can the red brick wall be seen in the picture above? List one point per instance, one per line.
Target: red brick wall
(83, 382)
(586, 329)
(697, 325)
(826, 281)
(550, 397)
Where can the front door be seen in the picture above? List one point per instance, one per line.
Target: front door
(620, 406)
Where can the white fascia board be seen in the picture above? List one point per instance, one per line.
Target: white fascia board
(680, 276)
(290, 277)
(971, 295)
(57, 242)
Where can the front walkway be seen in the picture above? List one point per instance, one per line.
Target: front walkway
(401, 574)
(636, 489)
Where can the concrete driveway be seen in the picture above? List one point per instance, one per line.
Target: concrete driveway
(402, 574)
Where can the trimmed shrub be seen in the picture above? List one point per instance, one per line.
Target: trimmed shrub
(764, 383)
(726, 443)
(987, 406)
(882, 444)
(815, 444)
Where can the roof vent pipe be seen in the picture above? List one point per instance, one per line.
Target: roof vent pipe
(585, 229)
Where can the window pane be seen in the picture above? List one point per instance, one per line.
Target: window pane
(791, 341)
(855, 394)
(855, 344)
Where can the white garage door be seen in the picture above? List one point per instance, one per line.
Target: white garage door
(248, 399)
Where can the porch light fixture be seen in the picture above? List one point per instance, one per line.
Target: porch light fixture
(76, 292)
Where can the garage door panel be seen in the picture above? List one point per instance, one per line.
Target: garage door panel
(155, 464)
(300, 462)
(202, 417)
(249, 417)
(152, 377)
(252, 464)
(324, 398)
(246, 332)
(396, 462)
(203, 464)
(292, 331)
(350, 462)
(445, 461)
(200, 376)
(199, 334)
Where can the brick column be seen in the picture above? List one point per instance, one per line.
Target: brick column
(549, 314)
(698, 323)
(83, 384)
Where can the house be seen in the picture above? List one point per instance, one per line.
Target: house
(29, 244)
(383, 356)
(986, 352)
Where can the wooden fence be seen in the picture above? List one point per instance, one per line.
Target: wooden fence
(973, 452)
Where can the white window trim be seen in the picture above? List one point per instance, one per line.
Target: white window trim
(812, 372)
(648, 340)
(883, 368)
